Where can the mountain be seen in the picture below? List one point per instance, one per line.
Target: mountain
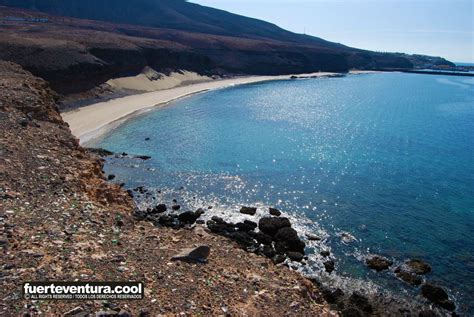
(172, 14)
(77, 45)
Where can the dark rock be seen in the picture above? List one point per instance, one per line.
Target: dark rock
(246, 226)
(378, 263)
(99, 152)
(200, 222)
(427, 313)
(275, 212)
(242, 238)
(176, 207)
(268, 251)
(248, 210)
(143, 157)
(271, 225)
(124, 154)
(329, 266)
(106, 313)
(361, 302)
(332, 296)
(325, 253)
(161, 208)
(279, 258)
(130, 193)
(409, 278)
(193, 255)
(295, 256)
(139, 214)
(111, 177)
(351, 312)
(140, 189)
(200, 212)
(418, 267)
(219, 226)
(218, 220)
(23, 122)
(261, 237)
(8, 266)
(287, 239)
(147, 139)
(170, 221)
(188, 217)
(124, 313)
(438, 296)
(144, 312)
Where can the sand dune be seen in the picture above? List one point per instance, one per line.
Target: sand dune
(151, 80)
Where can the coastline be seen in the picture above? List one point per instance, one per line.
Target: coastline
(54, 189)
(90, 122)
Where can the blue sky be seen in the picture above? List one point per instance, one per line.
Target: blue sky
(433, 27)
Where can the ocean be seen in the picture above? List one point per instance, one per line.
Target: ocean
(388, 158)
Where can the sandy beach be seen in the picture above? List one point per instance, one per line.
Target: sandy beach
(90, 122)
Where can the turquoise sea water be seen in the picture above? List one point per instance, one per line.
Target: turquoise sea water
(386, 157)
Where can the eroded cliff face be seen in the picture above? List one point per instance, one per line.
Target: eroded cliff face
(61, 221)
(76, 55)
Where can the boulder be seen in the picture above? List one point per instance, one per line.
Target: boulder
(279, 258)
(271, 225)
(275, 212)
(361, 302)
(438, 296)
(110, 177)
(218, 220)
(170, 221)
(325, 253)
(287, 240)
(268, 251)
(193, 255)
(246, 226)
(161, 208)
(248, 211)
(351, 312)
(188, 217)
(200, 212)
(261, 237)
(409, 278)
(418, 267)
(329, 266)
(176, 207)
(242, 238)
(332, 296)
(295, 256)
(378, 263)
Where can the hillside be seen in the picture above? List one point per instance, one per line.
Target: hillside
(172, 14)
(121, 39)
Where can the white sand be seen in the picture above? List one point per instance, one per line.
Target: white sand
(90, 122)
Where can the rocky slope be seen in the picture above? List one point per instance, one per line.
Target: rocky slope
(61, 220)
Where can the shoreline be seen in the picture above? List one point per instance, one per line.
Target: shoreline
(91, 122)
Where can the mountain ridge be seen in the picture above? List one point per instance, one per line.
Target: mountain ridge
(75, 54)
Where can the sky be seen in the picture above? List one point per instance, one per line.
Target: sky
(432, 27)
